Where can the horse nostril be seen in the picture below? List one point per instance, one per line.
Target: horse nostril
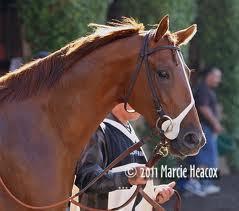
(191, 140)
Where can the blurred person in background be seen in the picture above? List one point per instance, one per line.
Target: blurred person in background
(17, 62)
(208, 111)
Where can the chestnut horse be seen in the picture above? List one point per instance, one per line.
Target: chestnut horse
(50, 107)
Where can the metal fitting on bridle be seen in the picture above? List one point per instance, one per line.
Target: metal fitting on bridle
(163, 151)
(169, 126)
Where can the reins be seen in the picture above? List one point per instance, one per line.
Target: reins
(159, 152)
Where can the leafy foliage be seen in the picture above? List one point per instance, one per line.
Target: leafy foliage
(181, 13)
(218, 36)
(51, 24)
(218, 23)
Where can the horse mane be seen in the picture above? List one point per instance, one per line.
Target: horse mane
(42, 74)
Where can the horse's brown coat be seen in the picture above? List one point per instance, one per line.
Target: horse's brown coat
(50, 107)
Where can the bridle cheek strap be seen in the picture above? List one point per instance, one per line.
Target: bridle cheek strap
(171, 127)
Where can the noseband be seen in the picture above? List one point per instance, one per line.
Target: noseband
(165, 126)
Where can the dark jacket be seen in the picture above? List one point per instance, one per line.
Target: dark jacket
(205, 96)
(105, 145)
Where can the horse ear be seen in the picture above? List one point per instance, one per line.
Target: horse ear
(162, 28)
(185, 35)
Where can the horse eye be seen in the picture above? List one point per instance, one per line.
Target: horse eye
(163, 74)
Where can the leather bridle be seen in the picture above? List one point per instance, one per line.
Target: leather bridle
(145, 52)
(165, 126)
(161, 150)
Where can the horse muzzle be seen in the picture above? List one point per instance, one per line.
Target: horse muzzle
(187, 144)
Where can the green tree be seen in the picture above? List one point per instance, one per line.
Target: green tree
(218, 36)
(51, 24)
(181, 13)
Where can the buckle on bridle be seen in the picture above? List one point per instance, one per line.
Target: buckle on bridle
(163, 151)
(170, 125)
(167, 118)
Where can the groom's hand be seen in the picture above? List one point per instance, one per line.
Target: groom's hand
(164, 192)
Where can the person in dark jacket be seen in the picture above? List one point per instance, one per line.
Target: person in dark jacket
(207, 106)
(114, 136)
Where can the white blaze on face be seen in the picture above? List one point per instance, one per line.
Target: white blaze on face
(171, 127)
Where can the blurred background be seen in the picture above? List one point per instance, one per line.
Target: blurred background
(32, 28)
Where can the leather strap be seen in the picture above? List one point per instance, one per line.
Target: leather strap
(139, 188)
(155, 205)
(145, 52)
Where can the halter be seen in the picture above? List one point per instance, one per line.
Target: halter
(169, 127)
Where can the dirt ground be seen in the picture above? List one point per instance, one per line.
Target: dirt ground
(226, 200)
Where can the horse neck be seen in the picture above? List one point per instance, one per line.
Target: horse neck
(90, 89)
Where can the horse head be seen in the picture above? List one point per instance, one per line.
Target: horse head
(160, 90)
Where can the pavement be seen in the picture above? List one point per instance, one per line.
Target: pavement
(226, 200)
